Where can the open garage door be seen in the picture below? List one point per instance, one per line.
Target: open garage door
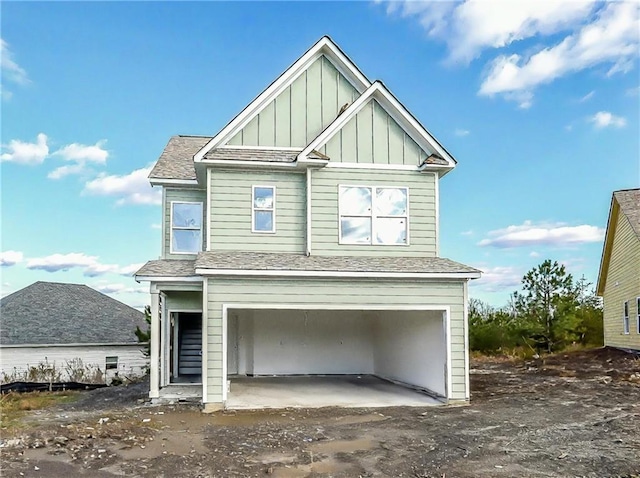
(405, 348)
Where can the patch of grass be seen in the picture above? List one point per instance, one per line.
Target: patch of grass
(14, 405)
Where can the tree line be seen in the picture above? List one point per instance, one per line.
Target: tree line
(549, 313)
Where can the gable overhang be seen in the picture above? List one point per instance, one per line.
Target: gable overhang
(612, 221)
(399, 113)
(325, 46)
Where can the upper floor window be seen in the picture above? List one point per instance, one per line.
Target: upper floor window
(186, 227)
(374, 215)
(625, 317)
(263, 209)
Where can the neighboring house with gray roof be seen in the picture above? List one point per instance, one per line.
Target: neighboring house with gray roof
(303, 238)
(54, 323)
(619, 278)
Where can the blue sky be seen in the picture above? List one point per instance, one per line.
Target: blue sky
(539, 102)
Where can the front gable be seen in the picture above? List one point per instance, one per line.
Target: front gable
(373, 136)
(301, 111)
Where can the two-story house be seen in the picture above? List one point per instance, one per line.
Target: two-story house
(302, 239)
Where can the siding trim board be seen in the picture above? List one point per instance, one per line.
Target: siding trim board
(326, 274)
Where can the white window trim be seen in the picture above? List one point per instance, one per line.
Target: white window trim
(254, 209)
(625, 318)
(171, 228)
(106, 362)
(373, 228)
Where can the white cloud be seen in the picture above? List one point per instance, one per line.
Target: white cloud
(64, 262)
(79, 154)
(467, 233)
(132, 188)
(130, 269)
(611, 39)
(10, 258)
(635, 91)
(120, 289)
(461, 132)
(534, 254)
(26, 153)
(11, 71)
(587, 97)
(498, 279)
(156, 226)
(604, 119)
(530, 234)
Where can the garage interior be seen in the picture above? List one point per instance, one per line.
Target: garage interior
(311, 358)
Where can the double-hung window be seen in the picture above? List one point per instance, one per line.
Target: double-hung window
(263, 209)
(625, 317)
(111, 363)
(374, 215)
(186, 227)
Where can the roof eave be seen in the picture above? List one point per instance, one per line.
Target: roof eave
(338, 274)
(606, 248)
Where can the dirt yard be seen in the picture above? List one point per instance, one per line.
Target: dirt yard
(571, 415)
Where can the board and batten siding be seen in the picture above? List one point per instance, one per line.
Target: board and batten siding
(352, 292)
(181, 195)
(298, 114)
(325, 218)
(373, 137)
(622, 283)
(230, 209)
(131, 361)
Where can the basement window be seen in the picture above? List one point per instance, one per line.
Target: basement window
(625, 317)
(374, 215)
(186, 227)
(263, 209)
(111, 363)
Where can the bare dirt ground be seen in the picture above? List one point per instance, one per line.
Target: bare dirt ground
(571, 415)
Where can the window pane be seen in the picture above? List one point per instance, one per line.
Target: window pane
(263, 221)
(263, 198)
(356, 230)
(185, 240)
(391, 202)
(355, 201)
(391, 231)
(187, 215)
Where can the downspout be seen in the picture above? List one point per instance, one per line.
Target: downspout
(308, 211)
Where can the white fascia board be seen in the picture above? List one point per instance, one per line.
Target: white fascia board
(396, 110)
(337, 274)
(253, 164)
(167, 279)
(173, 182)
(323, 46)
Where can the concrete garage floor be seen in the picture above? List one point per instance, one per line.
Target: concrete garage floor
(322, 391)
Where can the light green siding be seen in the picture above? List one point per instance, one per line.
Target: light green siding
(183, 301)
(325, 218)
(622, 284)
(186, 195)
(373, 136)
(230, 211)
(301, 111)
(339, 292)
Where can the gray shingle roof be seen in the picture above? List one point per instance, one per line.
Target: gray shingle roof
(255, 154)
(55, 313)
(300, 262)
(167, 268)
(176, 161)
(629, 201)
